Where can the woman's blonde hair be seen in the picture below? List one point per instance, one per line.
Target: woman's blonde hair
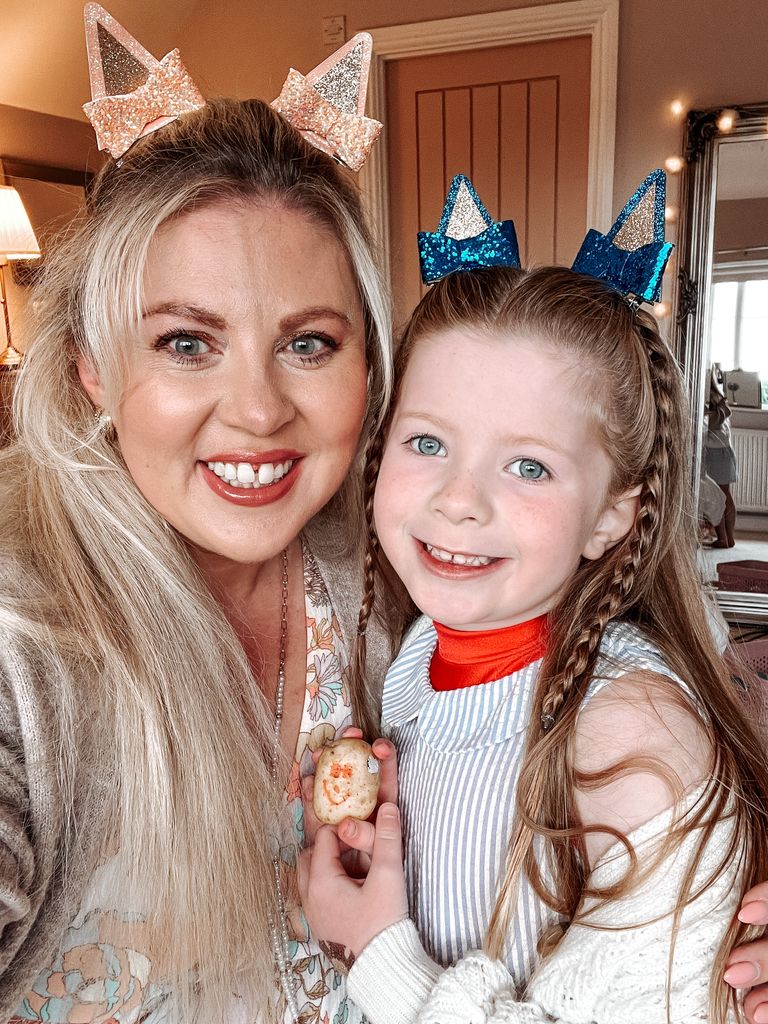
(634, 393)
(156, 701)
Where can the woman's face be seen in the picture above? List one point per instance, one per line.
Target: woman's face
(246, 388)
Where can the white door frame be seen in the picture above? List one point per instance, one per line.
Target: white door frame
(598, 19)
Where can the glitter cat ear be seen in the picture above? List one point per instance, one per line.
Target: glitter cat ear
(633, 255)
(133, 93)
(327, 104)
(467, 237)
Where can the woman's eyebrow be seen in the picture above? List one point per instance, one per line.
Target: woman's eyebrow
(300, 318)
(202, 316)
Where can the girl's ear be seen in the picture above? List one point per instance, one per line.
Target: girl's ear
(90, 381)
(614, 523)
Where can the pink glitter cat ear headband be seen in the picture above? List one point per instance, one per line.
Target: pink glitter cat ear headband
(327, 104)
(133, 93)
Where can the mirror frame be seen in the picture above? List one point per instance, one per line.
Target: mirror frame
(703, 140)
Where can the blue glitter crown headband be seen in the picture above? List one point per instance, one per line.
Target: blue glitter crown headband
(467, 237)
(631, 257)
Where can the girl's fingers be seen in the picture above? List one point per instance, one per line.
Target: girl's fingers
(311, 824)
(358, 835)
(387, 758)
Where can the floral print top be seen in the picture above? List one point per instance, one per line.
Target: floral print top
(94, 982)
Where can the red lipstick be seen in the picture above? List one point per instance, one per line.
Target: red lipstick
(252, 497)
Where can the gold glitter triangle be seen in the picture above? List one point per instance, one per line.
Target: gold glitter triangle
(118, 63)
(637, 230)
(122, 72)
(466, 220)
(341, 85)
(342, 78)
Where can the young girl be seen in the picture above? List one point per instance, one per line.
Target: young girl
(581, 794)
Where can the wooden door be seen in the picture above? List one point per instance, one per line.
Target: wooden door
(514, 119)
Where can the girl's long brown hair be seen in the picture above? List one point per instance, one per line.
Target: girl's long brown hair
(634, 390)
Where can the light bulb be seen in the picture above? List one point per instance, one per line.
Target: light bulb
(726, 120)
(670, 214)
(677, 108)
(674, 164)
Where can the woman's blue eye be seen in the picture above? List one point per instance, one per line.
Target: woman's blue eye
(426, 445)
(527, 469)
(305, 346)
(309, 346)
(188, 345)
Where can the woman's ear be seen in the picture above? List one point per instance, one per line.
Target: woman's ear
(90, 381)
(614, 523)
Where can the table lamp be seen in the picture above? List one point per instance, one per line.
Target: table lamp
(17, 242)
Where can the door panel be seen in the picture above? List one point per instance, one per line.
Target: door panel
(515, 119)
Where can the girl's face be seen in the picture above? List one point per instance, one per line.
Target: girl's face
(493, 483)
(247, 381)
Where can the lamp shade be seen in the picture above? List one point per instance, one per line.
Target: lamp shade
(17, 239)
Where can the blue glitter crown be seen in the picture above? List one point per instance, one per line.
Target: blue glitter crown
(467, 237)
(633, 255)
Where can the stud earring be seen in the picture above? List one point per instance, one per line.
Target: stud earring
(104, 424)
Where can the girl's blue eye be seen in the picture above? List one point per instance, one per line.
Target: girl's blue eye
(426, 445)
(188, 345)
(527, 469)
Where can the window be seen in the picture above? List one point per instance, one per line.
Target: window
(739, 336)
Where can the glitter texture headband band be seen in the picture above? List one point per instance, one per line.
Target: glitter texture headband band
(133, 93)
(467, 237)
(327, 104)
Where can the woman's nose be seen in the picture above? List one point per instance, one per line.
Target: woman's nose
(461, 498)
(258, 398)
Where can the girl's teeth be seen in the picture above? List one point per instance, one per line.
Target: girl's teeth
(245, 475)
(457, 559)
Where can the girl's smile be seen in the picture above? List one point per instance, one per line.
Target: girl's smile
(493, 484)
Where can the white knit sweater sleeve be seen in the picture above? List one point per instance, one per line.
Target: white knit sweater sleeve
(610, 968)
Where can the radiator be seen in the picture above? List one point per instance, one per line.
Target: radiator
(750, 492)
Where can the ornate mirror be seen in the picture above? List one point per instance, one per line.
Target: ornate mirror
(722, 322)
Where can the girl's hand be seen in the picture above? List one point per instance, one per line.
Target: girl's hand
(356, 835)
(351, 911)
(748, 964)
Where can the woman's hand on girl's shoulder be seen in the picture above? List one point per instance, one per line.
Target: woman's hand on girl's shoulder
(643, 723)
(748, 964)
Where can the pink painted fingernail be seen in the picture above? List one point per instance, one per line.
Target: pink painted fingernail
(742, 975)
(754, 912)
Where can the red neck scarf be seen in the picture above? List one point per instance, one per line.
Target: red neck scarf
(470, 657)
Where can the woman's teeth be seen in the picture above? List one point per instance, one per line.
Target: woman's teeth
(450, 556)
(243, 474)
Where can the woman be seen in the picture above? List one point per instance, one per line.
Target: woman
(209, 346)
(216, 320)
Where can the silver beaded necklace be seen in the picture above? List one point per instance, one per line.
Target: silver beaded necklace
(280, 927)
